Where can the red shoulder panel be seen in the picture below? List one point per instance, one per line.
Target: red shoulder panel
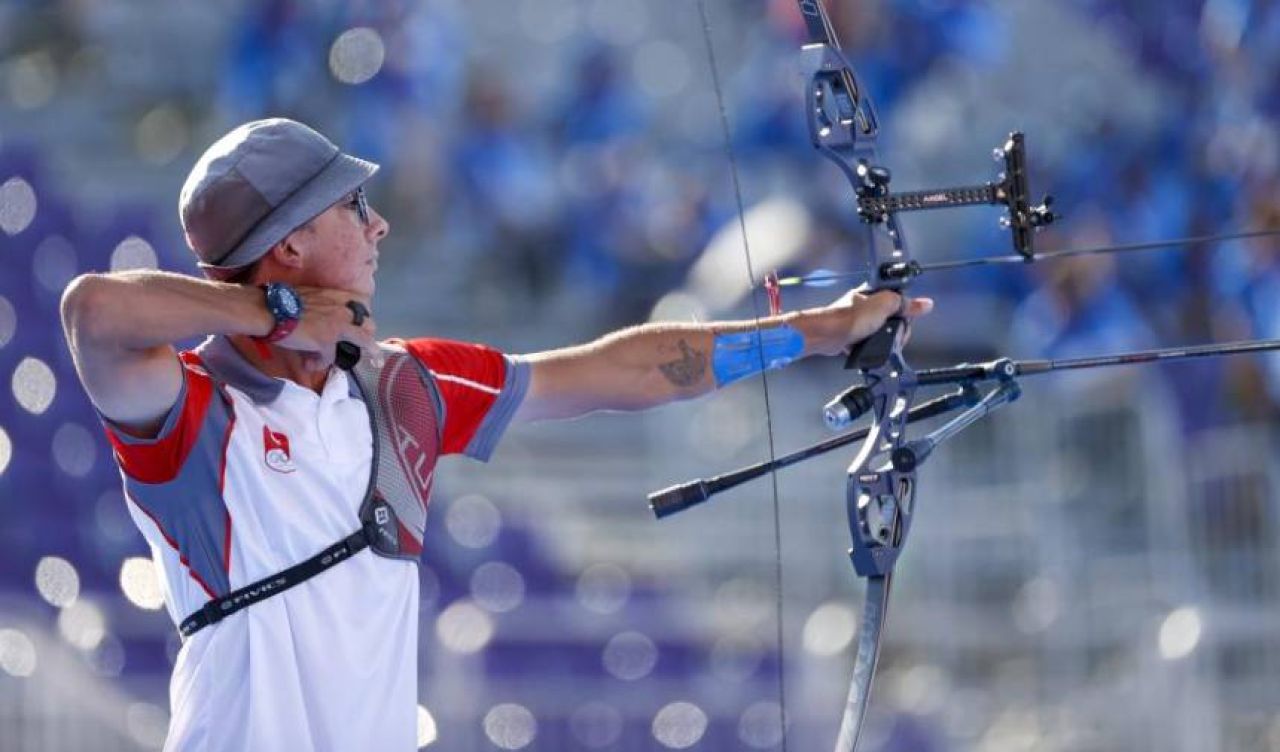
(470, 378)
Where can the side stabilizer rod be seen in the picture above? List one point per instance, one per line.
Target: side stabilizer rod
(680, 497)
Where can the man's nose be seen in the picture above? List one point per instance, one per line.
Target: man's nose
(378, 224)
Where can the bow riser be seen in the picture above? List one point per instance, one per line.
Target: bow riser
(844, 128)
(879, 499)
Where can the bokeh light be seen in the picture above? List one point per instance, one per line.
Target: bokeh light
(34, 385)
(17, 205)
(678, 306)
(464, 627)
(356, 55)
(496, 586)
(922, 689)
(17, 653)
(743, 602)
(760, 725)
(8, 321)
(57, 581)
(1180, 633)
(6, 450)
(829, 629)
(140, 584)
(1037, 605)
(603, 588)
(82, 624)
(473, 521)
(510, 726)
(426, 727)
(133, 253)
(679, 725)
(630, 656)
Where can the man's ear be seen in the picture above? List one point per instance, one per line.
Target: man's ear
(287, 253)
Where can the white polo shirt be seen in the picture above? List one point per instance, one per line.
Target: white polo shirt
(250, 475)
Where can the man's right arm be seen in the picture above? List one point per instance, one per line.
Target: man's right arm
(120, 328)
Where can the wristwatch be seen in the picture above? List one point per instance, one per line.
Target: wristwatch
(285, 305)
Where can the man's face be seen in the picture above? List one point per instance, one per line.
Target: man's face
(340, 248)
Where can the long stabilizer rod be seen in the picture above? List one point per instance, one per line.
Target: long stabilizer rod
(1004, 367)
(1095, 251)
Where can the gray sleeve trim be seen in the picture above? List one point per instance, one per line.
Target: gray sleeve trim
(503, 410)
(170, 420)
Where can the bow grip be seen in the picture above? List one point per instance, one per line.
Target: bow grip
(874, 351)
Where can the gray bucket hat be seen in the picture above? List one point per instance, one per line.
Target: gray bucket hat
(256, 185)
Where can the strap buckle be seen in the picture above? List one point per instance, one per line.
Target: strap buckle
(212, 614)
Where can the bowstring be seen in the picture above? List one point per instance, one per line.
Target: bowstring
(764, 377)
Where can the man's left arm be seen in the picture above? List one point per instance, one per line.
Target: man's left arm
(650, 365)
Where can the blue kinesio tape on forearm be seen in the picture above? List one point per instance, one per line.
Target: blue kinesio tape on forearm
(743, 354)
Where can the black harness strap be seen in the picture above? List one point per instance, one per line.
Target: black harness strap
(220, 608)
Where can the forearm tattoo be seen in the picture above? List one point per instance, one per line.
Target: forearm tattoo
(686, 370)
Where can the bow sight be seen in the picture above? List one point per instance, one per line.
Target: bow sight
(1010, 189)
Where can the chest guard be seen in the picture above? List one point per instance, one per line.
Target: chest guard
(404, 416)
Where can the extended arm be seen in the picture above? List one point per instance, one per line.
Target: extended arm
(650, 365)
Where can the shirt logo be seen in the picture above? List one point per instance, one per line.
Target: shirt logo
(275, 451)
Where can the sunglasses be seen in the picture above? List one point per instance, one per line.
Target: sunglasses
(360, 204)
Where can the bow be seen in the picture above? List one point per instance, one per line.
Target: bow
(881, 483)
(880, 496)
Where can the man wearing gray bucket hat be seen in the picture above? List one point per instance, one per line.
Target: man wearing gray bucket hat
(256, 185)
(258, 472)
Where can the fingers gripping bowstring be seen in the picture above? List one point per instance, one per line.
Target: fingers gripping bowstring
(753, 286)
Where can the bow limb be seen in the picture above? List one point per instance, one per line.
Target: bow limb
(874, 609)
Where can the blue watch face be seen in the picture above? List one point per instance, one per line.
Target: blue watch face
(284, 301)
(289, 302)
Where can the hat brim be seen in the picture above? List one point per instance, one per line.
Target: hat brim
(340, 177)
